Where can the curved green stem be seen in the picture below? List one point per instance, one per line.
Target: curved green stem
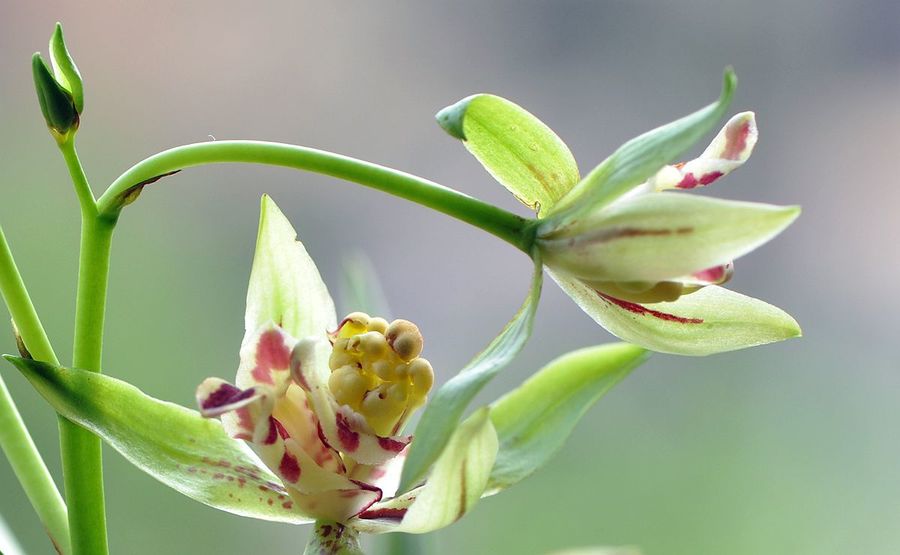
(505, 225)
(15, 440)
(81, 450)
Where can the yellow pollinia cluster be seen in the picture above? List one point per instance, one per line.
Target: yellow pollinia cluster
(376, 370)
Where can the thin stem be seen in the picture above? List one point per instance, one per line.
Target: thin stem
(79, 179)
(81, 450)
(505, 225)
(15, 440)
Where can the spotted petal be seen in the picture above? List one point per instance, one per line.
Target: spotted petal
(726, 153)
(712, 320)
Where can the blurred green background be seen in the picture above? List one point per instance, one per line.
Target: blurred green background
(791, 448)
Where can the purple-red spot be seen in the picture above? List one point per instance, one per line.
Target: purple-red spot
(289, 467)
(273, 432)
(349, 439)
(385, 513)
(288, 504)
(708, 178)
(226, 394)
(390, 444)
(644, 311)
(271, 354)
(736, 140)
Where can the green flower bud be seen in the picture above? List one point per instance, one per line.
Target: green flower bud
(56, 102)
(65, 70)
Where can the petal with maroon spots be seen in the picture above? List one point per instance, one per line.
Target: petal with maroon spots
(727, 152)
(244, 412)
(265, 358)
(711, 320)
(344, 429)
(294, 413)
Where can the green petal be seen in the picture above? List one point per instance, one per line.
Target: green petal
(177, 446)
(458, 479)
(534, 420)
(640, 158)
(285, 286)
(522, 153)
(659, 236)
(447, 405)
(64, 68)
(712, 320)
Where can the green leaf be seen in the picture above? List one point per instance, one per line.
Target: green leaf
(448, 404)
(331, 538)
(711, 320)
(177, 446)
(640, 158)
(56, 102)
(285, 286)
(522, 153)
(360, 289)
(535, 419)
(661, 236)
(64, 68)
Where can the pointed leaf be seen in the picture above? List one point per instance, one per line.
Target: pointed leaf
(640, 158)
(534, 420)
(177, 446)
(711, 320)
(448, 404)
(522, 153)
(661, 236)
(285, 286)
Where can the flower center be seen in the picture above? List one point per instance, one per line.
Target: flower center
(376, 370)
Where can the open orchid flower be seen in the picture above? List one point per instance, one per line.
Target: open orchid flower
(643, 260)
(312, 428)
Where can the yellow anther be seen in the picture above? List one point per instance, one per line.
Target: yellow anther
(421, 375)
(378, 324)
(376, 370)
(348, 386)
(405, 339)
(354, 324)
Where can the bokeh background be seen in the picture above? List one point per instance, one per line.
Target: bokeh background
(790, 448)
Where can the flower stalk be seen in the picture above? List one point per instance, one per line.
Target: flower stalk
(507, 226)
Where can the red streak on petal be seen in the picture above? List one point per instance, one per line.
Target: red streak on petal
(349, 439)
(736, 140)
(289, 467)
(644, 311)
(687, 182)
(708, 178)
(281, 430)
(273, 431)
(390, 444)
(386, 513)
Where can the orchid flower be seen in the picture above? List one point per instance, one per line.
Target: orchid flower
(312, 429)
(640, 257)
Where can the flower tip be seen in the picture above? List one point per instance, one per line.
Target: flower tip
(451, 118)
